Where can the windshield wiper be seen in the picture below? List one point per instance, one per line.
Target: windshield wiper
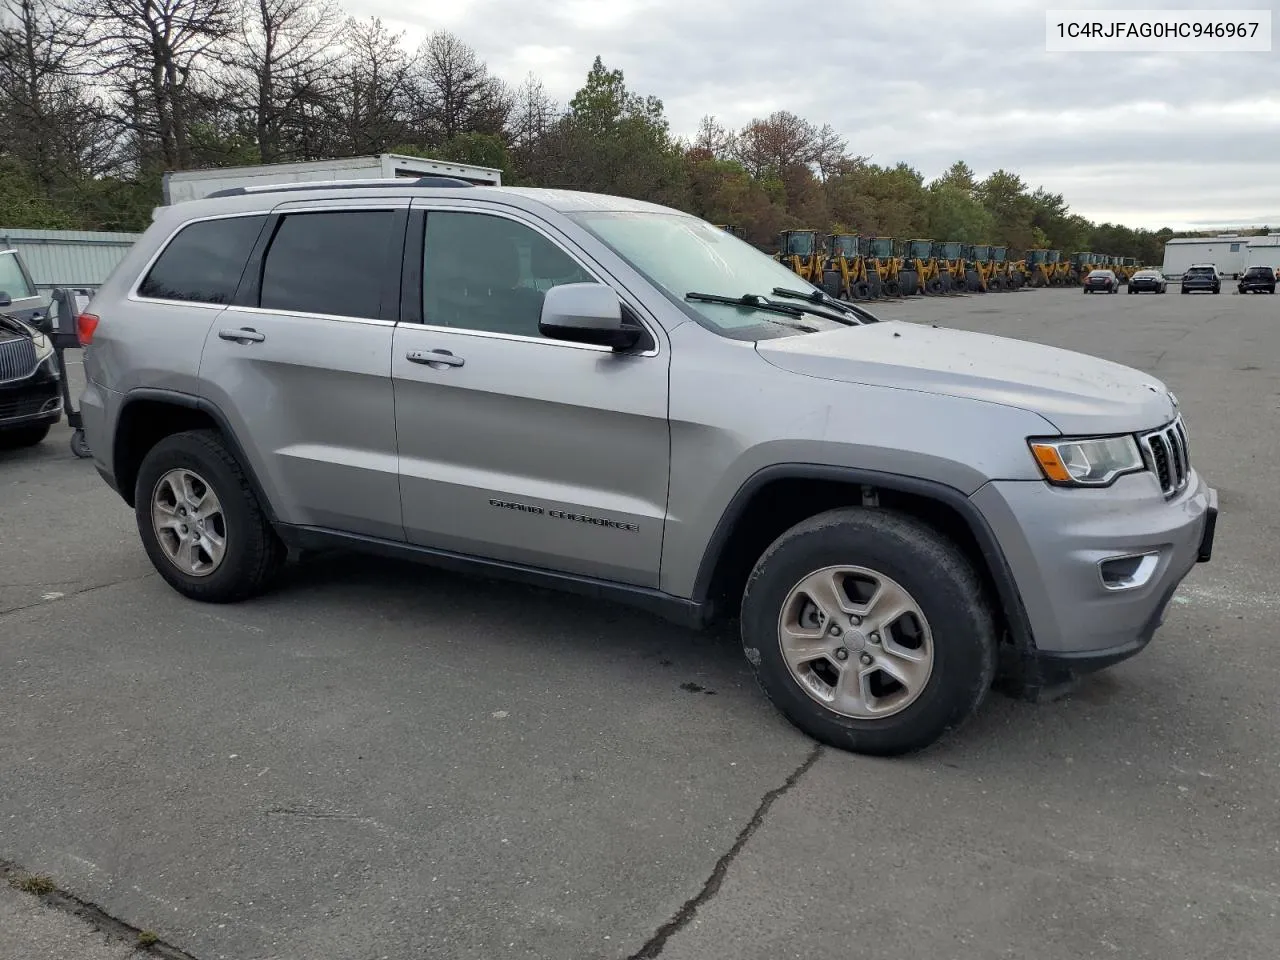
(819, 296)
(756, 302)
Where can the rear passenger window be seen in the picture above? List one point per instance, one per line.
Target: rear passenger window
(203, 263)
(332, 263)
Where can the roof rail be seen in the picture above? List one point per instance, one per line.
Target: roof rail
(437, 182)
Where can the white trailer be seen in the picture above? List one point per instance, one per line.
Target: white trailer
(195, 184)
(1228, 253)
(1264, 251)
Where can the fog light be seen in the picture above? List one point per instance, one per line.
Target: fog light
(1128, 572)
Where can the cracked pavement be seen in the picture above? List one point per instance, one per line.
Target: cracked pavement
(384, 760)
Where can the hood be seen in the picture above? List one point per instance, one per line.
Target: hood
(1078, 394)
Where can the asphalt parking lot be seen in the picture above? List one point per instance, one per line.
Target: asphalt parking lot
(379, 760)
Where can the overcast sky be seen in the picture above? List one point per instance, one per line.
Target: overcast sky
(1179, 140)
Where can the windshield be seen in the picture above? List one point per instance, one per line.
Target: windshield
(1201, 270)
(844, 245)
(1258, 272)
(880, 247)
(799, 243)
(681, 254)
(950, 251)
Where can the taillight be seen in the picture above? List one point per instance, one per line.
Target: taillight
(86, 324)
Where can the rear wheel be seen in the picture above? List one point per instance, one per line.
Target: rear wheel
(869, 630)
(200, 522)
(20, 437)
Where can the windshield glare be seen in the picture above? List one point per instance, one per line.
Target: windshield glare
(682, 254)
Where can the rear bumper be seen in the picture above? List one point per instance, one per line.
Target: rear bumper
(1062, 546)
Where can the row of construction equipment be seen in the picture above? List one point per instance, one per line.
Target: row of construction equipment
(854, 267)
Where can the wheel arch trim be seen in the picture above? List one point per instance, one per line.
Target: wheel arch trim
(191, 402)
(993, 556)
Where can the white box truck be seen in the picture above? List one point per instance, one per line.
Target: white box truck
(1228, 253)
(196, 184)
(1264, 251)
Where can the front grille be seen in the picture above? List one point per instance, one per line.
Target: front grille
(1169, 456)
(17, 359)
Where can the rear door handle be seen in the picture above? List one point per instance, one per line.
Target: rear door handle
(433, 357)
(243, 335)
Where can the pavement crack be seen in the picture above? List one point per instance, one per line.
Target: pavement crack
(304, 814)
(74, 593)
(654, 946)
(56, 898)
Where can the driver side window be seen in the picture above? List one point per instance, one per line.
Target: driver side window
(489, 273)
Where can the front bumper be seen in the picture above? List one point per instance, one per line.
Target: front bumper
(30, 402)
(1057, 541)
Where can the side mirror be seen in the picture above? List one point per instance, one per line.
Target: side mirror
(5, 300)
(586, 313)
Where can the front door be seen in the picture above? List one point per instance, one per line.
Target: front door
(302, 365)
(515, 447)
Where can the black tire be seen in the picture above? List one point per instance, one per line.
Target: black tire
(933, 287)
(942, 582)
(908, 282)
(862, 290)
(254, 554)
(80, 446)
(1184, 290)
(19, 437)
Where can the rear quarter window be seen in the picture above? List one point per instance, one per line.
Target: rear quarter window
(203, 262)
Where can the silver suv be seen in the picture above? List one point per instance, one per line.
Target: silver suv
(619, 399)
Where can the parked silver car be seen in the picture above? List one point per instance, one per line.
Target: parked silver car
(619, 399)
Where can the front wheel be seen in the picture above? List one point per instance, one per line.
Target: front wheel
(200, 522)
(869, 630)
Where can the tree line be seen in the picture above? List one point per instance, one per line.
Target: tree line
(99, 97)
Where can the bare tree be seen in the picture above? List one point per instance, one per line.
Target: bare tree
(370, 111)
(153, 54)
(533, 113)
(455, 92)
(285, 68)
(715, 139)
(783, 140)
(41, 102)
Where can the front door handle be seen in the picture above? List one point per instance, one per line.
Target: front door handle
(433, 357)
(243, 335)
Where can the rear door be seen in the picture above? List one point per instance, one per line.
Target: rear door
(300, 363)
(515, 447)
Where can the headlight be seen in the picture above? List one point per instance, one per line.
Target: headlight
(50, 363)
(1091, 462)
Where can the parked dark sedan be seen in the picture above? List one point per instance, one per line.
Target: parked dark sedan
(1152, 280)
(1257, 280)
(1202, 276)
(1101, 281)
(30, 401)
